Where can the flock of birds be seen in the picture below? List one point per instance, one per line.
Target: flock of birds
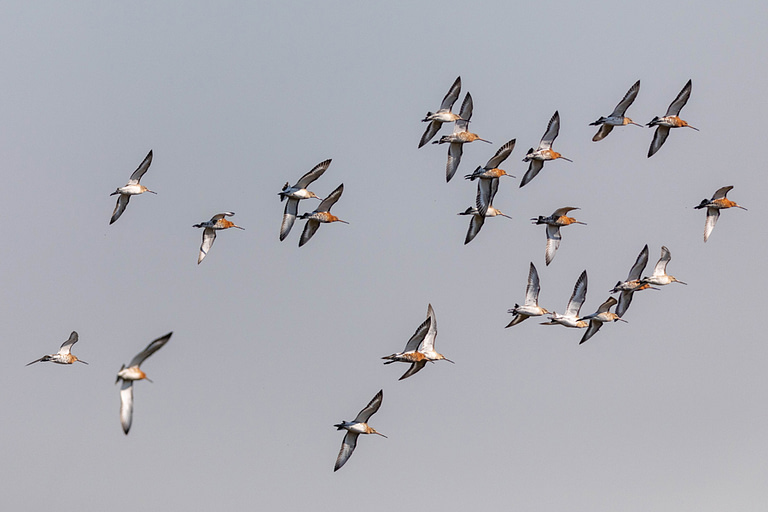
(420, 348)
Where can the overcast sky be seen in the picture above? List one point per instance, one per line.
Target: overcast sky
(274, 344)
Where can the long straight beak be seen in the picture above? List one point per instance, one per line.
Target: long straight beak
(689, 126)
(81, 361)
(489, 142)
(446, 359)
(566, 159)
(151, 191)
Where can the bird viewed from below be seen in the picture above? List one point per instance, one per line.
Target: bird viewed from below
(486, 191)
(491, 170)
(670, 120)
(531, 306)
(443, 115)
(617, 117)
(420, 349)
(571, 316)
(544, 152)
(554, 222)
(296, 193)
(132, 188)
(713, 206)
(209, 233)
(597, 319)
(632, 284)
(132, 372)
(356, 427)
(460, 136)
(63, 356)
(321, 214)
(660, 276)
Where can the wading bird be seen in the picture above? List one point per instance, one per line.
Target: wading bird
(209, 233)
(356, 427)
(531, 305)
(133, 188)
(597, 319)
(660, 276)
(544, 151)
(458, 138)
(632, 284)
(321, 214)
(63, 356)
(296, 193)
(617, 117)
(670, 120)
(131, 373)
(554, 222)
(444, 115)
(713, 206)
(571, 316)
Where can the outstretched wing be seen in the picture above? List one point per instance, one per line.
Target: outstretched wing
(312, 175)
(370, 409)
(126, 405)
(722, 192)
(432, 129)
(594, 326)
(553, 128)
(209, 235)
(603, 132)
(455, 149)
(659, 137)
(429, 340)
(475, 224)
(628, 99)
(677, 105)
(221, 215)
(533, 169)
(578, 296)
(553, 242)
(639, 266)
(325, 204)
(661, 266)
(153, 347)
(309, 230)
(122, 202)
(141, 169)
(289, 216)
(712, 215)
(452, 95)
(532, 289)
(347, 447)
(466, 109)
(414, 368)
(501, 155)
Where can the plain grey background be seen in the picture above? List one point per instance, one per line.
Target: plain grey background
(273, 344)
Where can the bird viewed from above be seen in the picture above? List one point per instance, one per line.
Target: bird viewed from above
(132, 188)
(713, 206)
(531, 306)
(296, 193)
(597, 319)
(209, 233)
(321, 214)
(63, 356)
(420, 349)
(544, 152)
(670, 120)
(133, 372)
(443, 115)
(356, 427)
(460, 136)
(617, 117)
(554, 222)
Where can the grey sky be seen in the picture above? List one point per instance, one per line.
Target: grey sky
(273, 344)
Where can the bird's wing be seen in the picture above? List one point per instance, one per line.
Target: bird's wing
(712, 215)
(466, 108)
(309, 229)
(564, 210)
(639, 266)
(67, 345)
(625, 299)
(722, 192)
(455, 150)
(418, 336)
(432, 129)
(429, 340)
(153, 347)
(122, 202)
(484, 195)
(603, 132)
(414, 368)
(578, 296)
(659, 137)
(452, 95)
(553, 242)
(126, 405)
(312, 175)
(624, 104)
(661, 266)
(501, 155)
(141, 169)
(553, 128)
(289, 216)
(594, 326)
(475, 224)
(532, 289)
(677, 105)
(347, 447)
(325, 204)
(533, 169)
(221, 215)
(608, 304)
(209, 235)
(370, 409)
